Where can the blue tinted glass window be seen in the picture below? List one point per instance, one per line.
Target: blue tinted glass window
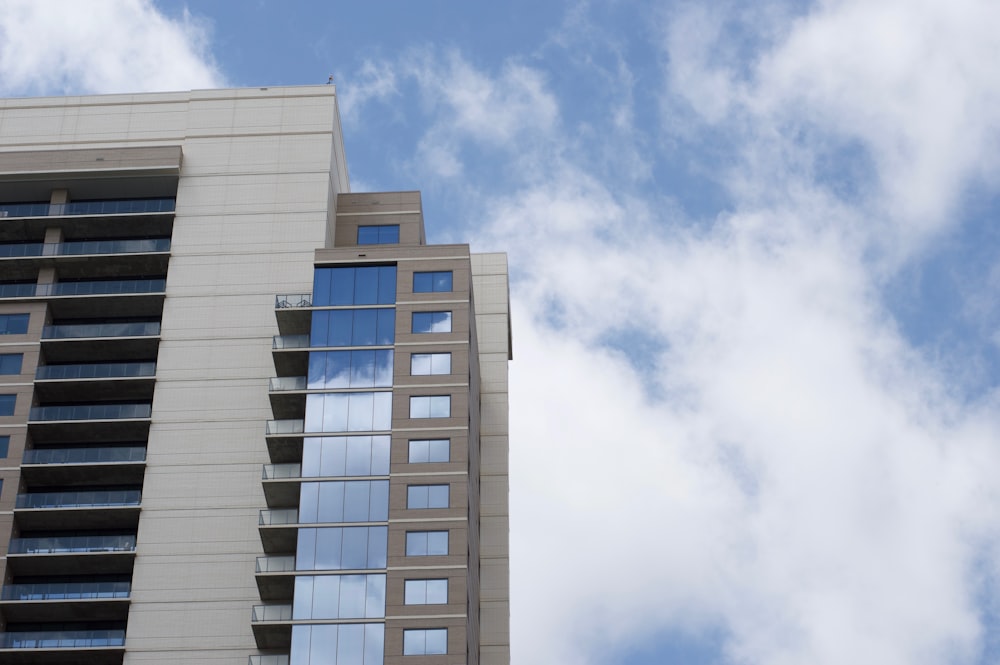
(432, 282)
(345, 456)
(339, 597)
(349, 412)
(10, 363)
(431, 322)
(430, 406)
(350, 369)
(426, 496)
(353, 327)
(369, 285)
(7, 404)
(13, 324)
(385, 234)
(344, 501)
(355, 644)
(4, 445)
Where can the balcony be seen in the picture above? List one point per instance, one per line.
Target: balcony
(83, 509)
(281, 486)
(287, 398)
(284, 440)
(113, 465)
(270, 659)
(89, 412)
(79, 343)
(290, 354)
(65, 601)
(113, 207)
(15, 250)
(293, 312)
(95, 371)
(94, 330)
(92, 382)
(275, 577)
(85, 555)
(278, 529)
(272, 626)
(286, 383)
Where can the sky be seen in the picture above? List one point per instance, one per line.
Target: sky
(754, 254)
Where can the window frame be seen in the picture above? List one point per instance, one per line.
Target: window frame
(6, 319)
(424, 592)
(3, 404)
(430, 359)
(433, 402)
(428, 496)
(411, 647)
(386, 234)
(427, 548)
(448, 319)
(430, 457)
(437, 281)
(18, 365)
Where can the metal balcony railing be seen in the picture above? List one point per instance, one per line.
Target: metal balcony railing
(271, 613)
(292, 300)
(96, 370)
(290, 342)
(285, 427)
(89, 412)
(96, 455)
(133, 246)
(283, 383)
(66, 591)
(116, 207)
(102, 287)
(275, 564)
(82, 499)
(61, 639)
(82, 330)
(72, 544)
(278, 471)
(17, 290)
(269, 517)
(12, 249)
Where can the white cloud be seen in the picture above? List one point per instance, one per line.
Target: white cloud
(100, 46)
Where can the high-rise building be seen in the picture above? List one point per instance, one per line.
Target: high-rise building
(246, 416)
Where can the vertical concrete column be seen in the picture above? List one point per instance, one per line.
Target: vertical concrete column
(53, 237)
(58, 200)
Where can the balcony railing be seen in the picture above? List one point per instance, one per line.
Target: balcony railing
(290, 342)
(84, 455)
(18, 290)
(86, 208)
(283, 383)
(278, 517)
(78, 247)
(271, 613)
(292, 300)
(285, 427)
(84, 499)
(12, 249)
(278, 471)
(66, 591)
(90, 412)
(103, 287)
(270, 659)
(72, 544)
(96, 371)
(275, 564)
(61, 639)
(82, 330)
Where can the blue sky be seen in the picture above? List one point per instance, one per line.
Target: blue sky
(754, 259)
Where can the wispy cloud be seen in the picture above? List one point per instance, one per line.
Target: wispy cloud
(100, 46)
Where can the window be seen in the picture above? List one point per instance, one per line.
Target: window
(341, 548)
(350, 369)
(10, 363)
(426, 543)
(7, 403)
(13, 324)
(385, 234)
(432, 282)
(422, 497)
(4, 445)
(424, 364)
(431, 322)
(345, 456)
(355, 643)
(369, 285)
(344, 501)
(425, 592)
(430, 406)
(349, 412)
(353, 327)
(425, 641)
(339, 597)
(423, 451)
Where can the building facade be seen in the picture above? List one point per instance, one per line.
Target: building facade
(246, 416)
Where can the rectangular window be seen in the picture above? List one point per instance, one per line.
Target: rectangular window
(425, 592)
(431, 322)
(423, 451)
(339, 597)
(425, 364)
(341, 548)
(369, 285)
(7, 403)
(422, 497)
(10, 363)
(353, 327)
(344, 501)
(354, 644)
(13, 324)
(330, 456)
(432, 282)
(384, 234)
(4, 445)
(349, 412)
(430, 406)
(426, 543)
(350, 369)
(425, 642)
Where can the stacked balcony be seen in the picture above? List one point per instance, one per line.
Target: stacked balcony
(99, 268)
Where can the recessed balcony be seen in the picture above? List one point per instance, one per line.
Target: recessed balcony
(73, 208)
(78, 555)
(95, 381)
(272, 626)
(62, 647)
(65, 601)
(131, 256)
(83, 509)
(95, 342)
(278, 529)
(293, 312)
(114, 465)
(269, 659)
(90, 422)
(284, 439)
(287, 395)
(290, 354)
(281, 484)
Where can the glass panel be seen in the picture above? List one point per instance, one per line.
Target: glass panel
(326, 598)
(10, 363)
(437, 641)
(334, 456)
(387, 285)
(382, 412)
(355, 552)
(416, 543)
(360, 415)
(437, 543)
(13, 324)
(377, 544)
(305, 549)
(380, 456)
(341, 328)
(379, 501)
(366, 286)
(383, 368)
(329, 546)
(374, 644)
(302, 605)
(356, 501)
(351, 644)
(440, 406)
(331, 502)
(386, 333)
(362, 369)
(365, 325)
(342, 291)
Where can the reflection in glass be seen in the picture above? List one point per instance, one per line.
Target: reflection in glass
(430, 406)
(432, 282)
(345, 456)
(425, 592)
(422, 451)
(431, 322)
(368, 285)
(426, 496)
(341, 548)
(425, 642)
(425, 364)
(353, 327)
(349, 412)
(368, 501)
(343, 644)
